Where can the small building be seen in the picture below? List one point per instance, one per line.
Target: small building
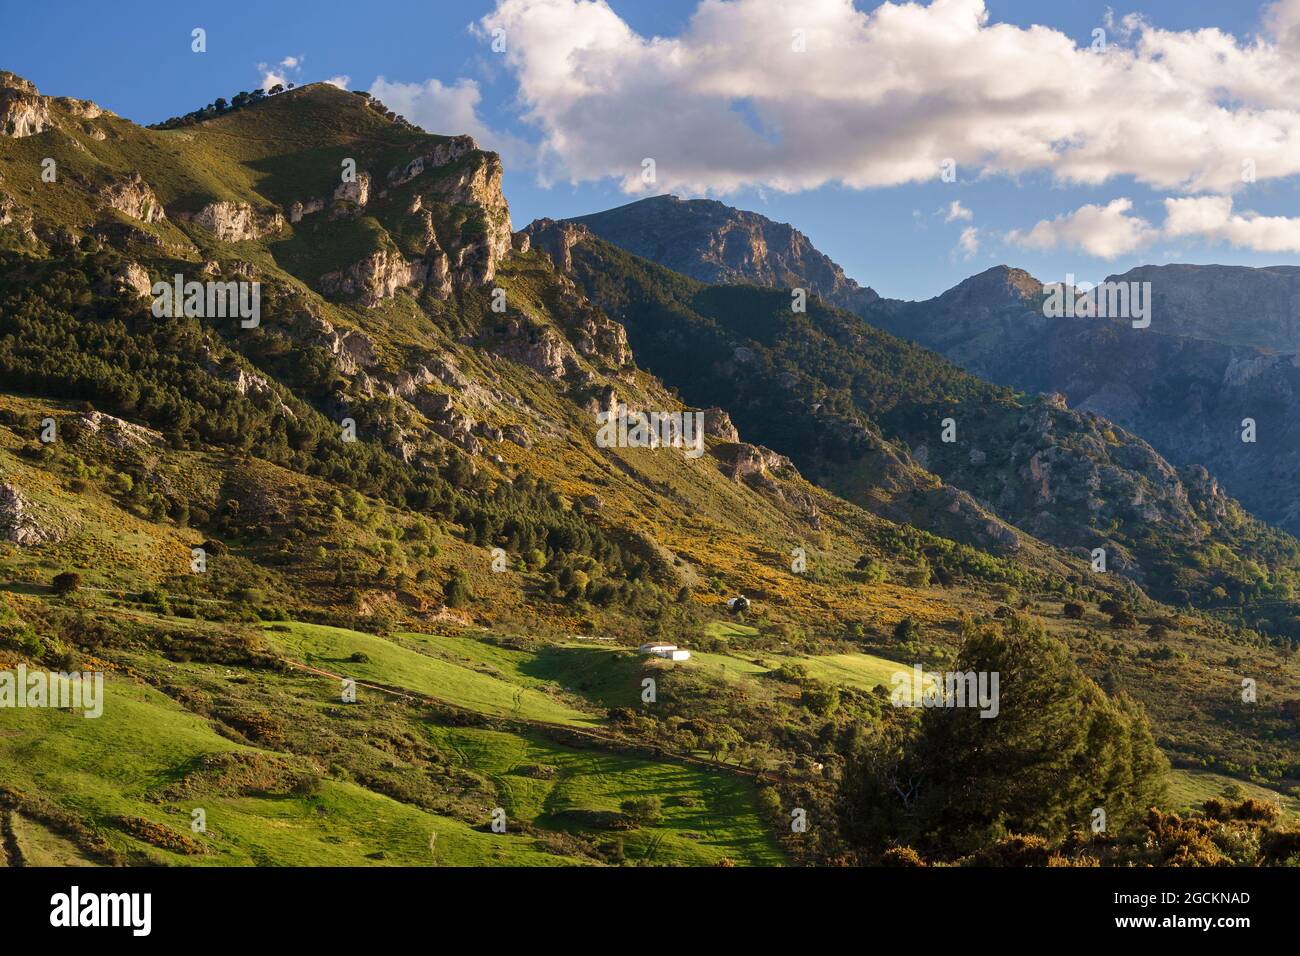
(667, 651)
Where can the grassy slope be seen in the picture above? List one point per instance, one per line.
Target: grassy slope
(1188, 789)
(329, 648)
(706, 816)
(116, 766)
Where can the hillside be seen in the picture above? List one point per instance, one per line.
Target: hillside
(834, 392)
(1221, 348)
(392, 475)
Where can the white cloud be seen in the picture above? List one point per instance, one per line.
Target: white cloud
(883, 97)
(1111, 231)
(449, 110)
(969, 243)
(1212, 218)
(289, 68)
(957, 211)
(341, 81)
(1103, 231)
(1282, 20)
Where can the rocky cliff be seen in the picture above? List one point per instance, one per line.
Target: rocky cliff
(715, 243)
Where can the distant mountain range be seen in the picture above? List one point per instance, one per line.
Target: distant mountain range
(1221, 347)
(862, 412)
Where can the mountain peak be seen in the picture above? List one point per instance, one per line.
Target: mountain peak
(1000, 285)
(12, 81)
(716, 243)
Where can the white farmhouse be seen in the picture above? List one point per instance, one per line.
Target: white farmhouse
(667, 651)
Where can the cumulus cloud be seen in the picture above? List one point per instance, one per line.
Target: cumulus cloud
(280, 73)
(1282, 20)
(341, 81)
(449, 109)
(957, 211)
(1103, 231)
(1211, 218)
(969, 243)
(883, 97)
(1110, 231)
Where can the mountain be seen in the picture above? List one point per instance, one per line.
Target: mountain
(1232, 305)
(344, 529)
(1220, 349)
(1222, 345)
(834, 392)
(712, 242)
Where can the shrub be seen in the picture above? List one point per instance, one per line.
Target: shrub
(822, 699)
(67, 582)
(903, 856)
(456, 592)
(642, 810)
(1123, 618)
(907, 630)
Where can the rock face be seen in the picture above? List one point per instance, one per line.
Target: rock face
(450, 423)
(755, 463)
(465, 176)
(717, 424)
(23, 111)
(1234, 305)
(234, 222)
(376, 277)
(715, 243)
(540, 348)
(118, 432)
(353, 350)
(134, 197)
(478, 185)
(17, 523)
(555, 238)
(454, 175)
(300, 209)
(357, 192)
(84, 109)
(447, 151)
(134, 277)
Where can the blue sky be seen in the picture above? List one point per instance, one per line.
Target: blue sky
(902, 236)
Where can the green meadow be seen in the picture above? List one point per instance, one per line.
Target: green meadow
(367, 658)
